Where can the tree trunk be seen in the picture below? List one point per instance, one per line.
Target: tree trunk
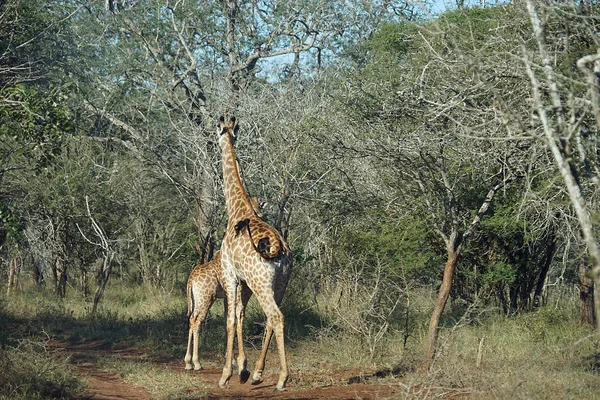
(84, 283)
(36, 271)
(60, 254)
(550, 250)
(586, 295)
(440, 304)
(102, 279)
(12, 274)
(205, 217)
(553, 130)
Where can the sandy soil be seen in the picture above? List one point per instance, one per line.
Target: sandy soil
(103, 385)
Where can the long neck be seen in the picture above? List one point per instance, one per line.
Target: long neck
(238, 203)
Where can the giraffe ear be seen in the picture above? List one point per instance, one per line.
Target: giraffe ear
(222, 126)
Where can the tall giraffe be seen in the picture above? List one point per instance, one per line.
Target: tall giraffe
(203, 287)
(255, 253)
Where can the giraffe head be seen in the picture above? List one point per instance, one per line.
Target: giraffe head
(227, 131)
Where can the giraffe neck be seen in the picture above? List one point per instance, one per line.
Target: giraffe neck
(238, 203)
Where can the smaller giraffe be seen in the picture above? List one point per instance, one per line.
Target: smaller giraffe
(203, 287)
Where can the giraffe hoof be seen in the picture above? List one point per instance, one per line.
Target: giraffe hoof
(277, 390)
(256, 381)
(244, 375)
(198, 368)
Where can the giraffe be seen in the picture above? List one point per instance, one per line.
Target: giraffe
(255, 253)
(203, 287)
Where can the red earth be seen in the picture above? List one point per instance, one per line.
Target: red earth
(339, 385)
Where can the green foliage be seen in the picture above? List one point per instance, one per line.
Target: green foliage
(404, 247)
(34, 120)
(499, 274)
(10, 225)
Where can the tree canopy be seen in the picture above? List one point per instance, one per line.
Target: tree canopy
(380, 139)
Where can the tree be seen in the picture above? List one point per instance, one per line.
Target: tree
(182, 64)
(434, 98)
(560, 132)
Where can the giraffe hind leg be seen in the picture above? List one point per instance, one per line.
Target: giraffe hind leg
(244, 295)
(188, 354)
(275, 325)
(230, 290)
(197, 319)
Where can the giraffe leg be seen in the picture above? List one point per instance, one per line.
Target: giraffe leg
(275, 323)
(231, 294)
(195, 358)
(188, 354)
(244, 295)
(197, 318)
(260, 363)
(199, 322)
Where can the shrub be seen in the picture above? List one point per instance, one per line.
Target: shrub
(29, 371)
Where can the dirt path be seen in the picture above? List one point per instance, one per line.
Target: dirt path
(299, 388)
(105, 385)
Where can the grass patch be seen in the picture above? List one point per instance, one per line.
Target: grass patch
(160, 381)
(534, 355)
(155, 321)
(538, 355)
(30, 371)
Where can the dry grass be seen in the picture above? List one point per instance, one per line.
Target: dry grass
(544, 354)
(161, 382)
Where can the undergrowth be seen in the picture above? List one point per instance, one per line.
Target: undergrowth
(540, 354)
(30, 371)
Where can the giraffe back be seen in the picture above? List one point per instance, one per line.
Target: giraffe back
(209, 276)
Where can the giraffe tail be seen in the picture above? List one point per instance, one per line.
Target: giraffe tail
(190, 300)
(268, 246)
